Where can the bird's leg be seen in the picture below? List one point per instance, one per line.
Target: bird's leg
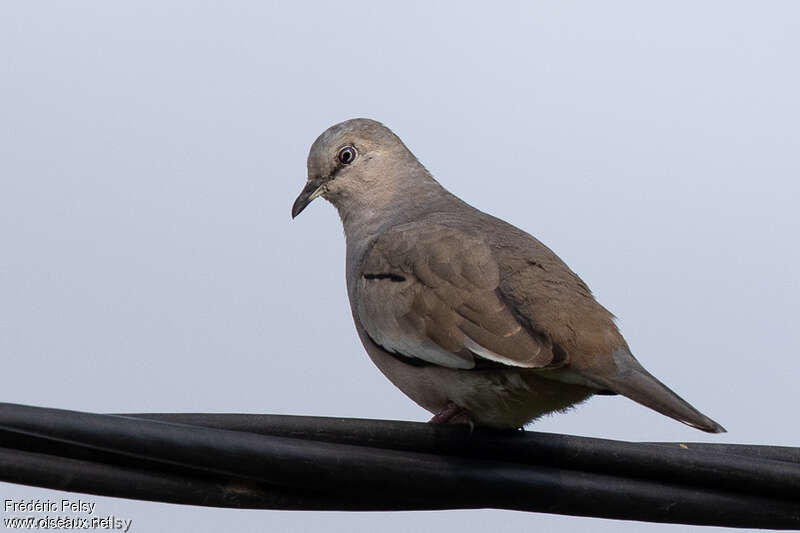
(452, 414)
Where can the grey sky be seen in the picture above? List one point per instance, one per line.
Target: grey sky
(150, 152)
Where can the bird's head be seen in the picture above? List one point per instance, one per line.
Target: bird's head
(356, 160)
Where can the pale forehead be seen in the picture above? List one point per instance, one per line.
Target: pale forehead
(364, 133)
(354, 130)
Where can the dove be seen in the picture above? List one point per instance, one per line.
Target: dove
(471, 317)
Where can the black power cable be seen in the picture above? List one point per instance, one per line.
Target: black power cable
(287, 462)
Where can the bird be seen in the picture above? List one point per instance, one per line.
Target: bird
(472, 318)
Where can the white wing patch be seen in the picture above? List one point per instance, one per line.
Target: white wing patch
(426, 351)
(486, 353)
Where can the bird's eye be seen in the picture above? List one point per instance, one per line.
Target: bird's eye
(347, 155)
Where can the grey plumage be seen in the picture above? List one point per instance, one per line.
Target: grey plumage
(471, 317)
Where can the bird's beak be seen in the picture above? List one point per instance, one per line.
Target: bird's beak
(312, 189)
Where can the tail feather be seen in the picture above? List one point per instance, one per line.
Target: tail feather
(633, 381)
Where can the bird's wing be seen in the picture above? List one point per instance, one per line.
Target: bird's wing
(431, 292)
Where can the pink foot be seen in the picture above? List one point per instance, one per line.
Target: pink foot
(452, 414)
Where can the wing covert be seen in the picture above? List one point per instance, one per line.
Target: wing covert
(432, 293)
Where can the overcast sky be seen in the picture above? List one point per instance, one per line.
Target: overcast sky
(150, 153)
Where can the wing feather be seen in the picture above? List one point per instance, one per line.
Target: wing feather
(442, 305)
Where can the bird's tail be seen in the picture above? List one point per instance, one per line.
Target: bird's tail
(633, 381)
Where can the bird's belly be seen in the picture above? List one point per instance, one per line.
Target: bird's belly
(505, 398)
(500, 398)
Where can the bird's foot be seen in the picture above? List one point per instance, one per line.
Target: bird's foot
(452, 414)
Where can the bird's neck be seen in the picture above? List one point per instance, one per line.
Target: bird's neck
(366, 216)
